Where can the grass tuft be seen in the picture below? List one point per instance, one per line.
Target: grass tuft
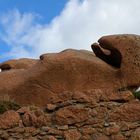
(7, 103)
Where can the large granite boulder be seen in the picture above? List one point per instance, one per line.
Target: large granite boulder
(124, 55)
(115, 67)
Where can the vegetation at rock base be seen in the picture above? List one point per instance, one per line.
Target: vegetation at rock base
(7, 103)
(137, 94)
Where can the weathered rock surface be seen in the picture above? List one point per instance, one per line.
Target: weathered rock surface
(42, 81)
(23, 63)
(82, 96)
(76, 119)
(124, 55)
(9, 119)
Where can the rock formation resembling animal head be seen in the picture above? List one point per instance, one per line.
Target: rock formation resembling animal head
(115, 66)
(124, 55)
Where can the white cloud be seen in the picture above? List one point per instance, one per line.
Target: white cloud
(80, 23)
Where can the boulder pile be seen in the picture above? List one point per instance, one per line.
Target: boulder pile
(90, 115)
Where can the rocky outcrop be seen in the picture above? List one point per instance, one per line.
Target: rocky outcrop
(44, 81)
(82, 95)
(88, 116)
(124, 55)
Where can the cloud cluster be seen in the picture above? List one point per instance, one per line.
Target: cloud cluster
(80, 23)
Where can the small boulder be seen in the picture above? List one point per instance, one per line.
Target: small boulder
(9, 119)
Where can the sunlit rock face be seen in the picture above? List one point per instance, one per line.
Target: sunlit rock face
(114, 65)
(23, 63)
(124, 55)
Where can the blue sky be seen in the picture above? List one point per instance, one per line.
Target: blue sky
(29, 28)
(46, 9)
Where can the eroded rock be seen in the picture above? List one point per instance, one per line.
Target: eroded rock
(82, 96)
(70, 115)
(46, 79)
(9, 119)
(127, 112)
(23, 63)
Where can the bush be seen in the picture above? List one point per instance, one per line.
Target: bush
(8, 105)
(137, 94)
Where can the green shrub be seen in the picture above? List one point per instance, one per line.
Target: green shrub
(8, 105)
(137, 94)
